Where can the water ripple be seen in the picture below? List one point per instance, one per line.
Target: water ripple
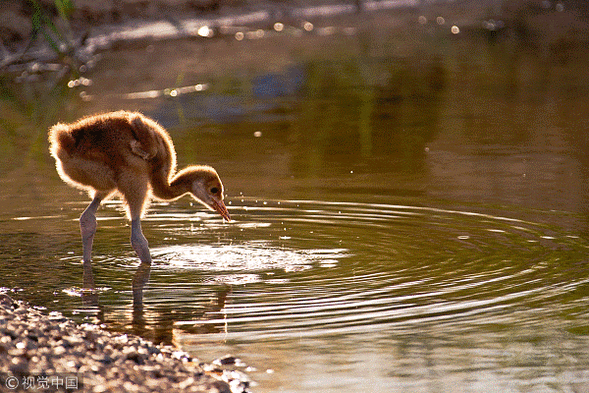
(397, 267)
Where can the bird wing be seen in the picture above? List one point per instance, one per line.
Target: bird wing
(138, 150)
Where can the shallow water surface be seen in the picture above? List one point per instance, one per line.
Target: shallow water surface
(409, 213)
(331, 296)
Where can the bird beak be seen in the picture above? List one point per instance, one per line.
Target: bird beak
(220, 208)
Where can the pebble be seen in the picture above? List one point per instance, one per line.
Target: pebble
(33, 343)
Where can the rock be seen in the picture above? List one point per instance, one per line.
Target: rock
(6, 301)
(32, 343)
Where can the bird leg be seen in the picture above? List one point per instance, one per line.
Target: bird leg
(88, 229)
(139, 242)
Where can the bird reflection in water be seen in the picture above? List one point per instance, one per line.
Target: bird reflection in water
(162, 331)
(159, 326)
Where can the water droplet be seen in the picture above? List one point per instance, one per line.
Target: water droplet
(440, 20)
(422, 20)
(278, 26)
(455, 29)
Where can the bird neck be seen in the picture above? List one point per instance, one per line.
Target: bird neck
(180, 184)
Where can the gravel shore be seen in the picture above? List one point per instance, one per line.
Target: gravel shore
(51, 353)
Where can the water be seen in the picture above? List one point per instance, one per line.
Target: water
(409, 210)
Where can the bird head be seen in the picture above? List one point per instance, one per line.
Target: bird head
(208, 189)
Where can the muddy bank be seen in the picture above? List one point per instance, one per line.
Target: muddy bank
(50, 351)
(43, 31)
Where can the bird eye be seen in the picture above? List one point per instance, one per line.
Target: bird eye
(214, 190)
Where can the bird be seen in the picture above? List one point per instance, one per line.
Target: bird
(128, 154)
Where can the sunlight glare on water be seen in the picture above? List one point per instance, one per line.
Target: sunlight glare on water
(253, 256)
